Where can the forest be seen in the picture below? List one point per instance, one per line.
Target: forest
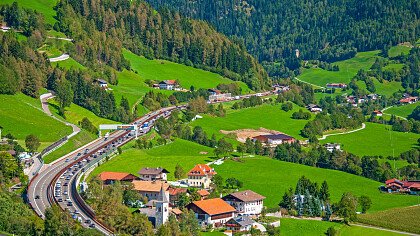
(328, 30)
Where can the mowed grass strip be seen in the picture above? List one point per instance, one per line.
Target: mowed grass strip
(272, 178)
(22, 115)
(348, 69)
(266, 116)
(375, 139)
(44, 7)
(403, 111)
(165, 70)
(404, 219)
(72, 144)
(185, 153)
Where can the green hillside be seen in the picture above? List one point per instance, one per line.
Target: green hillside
(375, 139)
(272, 178)
(265, 116)
(42, 6)
(398, 50)
(403, 111)
(22, 115)
(348, 69)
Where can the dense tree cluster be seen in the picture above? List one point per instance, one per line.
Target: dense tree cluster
(27, 20)
(402, 125)
(301, 115)
(102, 28)
(301, 94)
(324, 30)
(248, 102)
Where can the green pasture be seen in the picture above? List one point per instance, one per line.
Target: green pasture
(396, 51)
(403, 110)
(44, 7)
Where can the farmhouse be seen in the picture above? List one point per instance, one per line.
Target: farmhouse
(332, 146)
(203, 193)
(377, 113)
(314, 108)
(101, 83)
(217, 95)
(168, 85)
(408, 186)
(409, 100)
(151, 189)
(274, 139)
(246, 202)
(151, 174)
(336, 85)
(280, 88)
(240, 224)
(214, 212)
(111, 177)
(200, 176)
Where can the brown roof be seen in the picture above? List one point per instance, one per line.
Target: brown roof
(115, 176)
(247, 196)
(176, 211)
(176, 191)
(149, 186)
(214, 206)
(203, 192)
(202, 169)
(152, 171)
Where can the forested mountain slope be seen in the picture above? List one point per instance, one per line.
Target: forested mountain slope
(329, 30)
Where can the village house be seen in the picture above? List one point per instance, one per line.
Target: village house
(204, 194)
(314, 108)
(150, 189)
(151, 174)
(174, 194)
(5, 28)
(217, 95)
(409, 100)
(246, 202)
(274, 139)
(168, 85)
(377, 113)
(408, 186)
(111, 177)
(332, 147)
(200, 176)
(280, 88)
(214, 212)
(240, 224)
(336, 85)
(101, 83)
(159, 213)
(373, 96)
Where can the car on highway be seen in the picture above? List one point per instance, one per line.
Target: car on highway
(65, 193)
(88, 221)
(67, 160)
(68, 177)
(69, 203)
(92, 226)
(60, 200)
(37, 197)
(76, 212)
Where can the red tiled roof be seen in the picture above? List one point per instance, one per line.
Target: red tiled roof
(392, 181)
(415, 185)
(201, 169)
(149, 186)
(214, 206)
(169, 82)
(407, 100)
(115, 176)
(203, 192)
(176, 191)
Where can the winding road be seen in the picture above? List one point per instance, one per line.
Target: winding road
(62, 57)
(347, 132)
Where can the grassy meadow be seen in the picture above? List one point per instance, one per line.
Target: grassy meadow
(266, 116)
(403, 111)
(165, 70)
(69, 63)
(396, 51)
(22, 115)
(43, 6)
(272, 178)
(348, 69)
(182, 152)
(405, 219)
(375, 139)
(386, 88)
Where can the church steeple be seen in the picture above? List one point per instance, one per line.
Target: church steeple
(162, 208)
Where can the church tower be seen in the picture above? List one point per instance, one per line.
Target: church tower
(162, 208)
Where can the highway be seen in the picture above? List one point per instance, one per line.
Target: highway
(57, 184)
(43, 191)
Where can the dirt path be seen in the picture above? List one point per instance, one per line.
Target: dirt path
(62, 57)
(309, 83)
(347, 132)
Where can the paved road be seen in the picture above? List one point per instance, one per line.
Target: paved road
(347, 132)
(62, 57)
(59, 38)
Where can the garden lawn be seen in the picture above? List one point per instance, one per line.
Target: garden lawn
(375, 139)
(165, 70)
(404, 219)
(348, 69)
(396, 51)
(403, 111)
(186, 153)
(42, 6)
(22, 115)
(272, 178)
(75, 114)
(267, 116)
(74, 143)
